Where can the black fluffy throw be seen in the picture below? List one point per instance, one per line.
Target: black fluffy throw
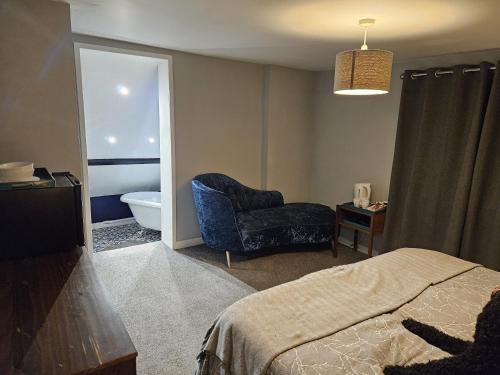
(482, 356)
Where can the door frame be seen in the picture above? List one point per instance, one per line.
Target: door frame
(167, 140)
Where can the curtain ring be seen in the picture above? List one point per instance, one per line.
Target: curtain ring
(436, 74)
(412, 76)
(464, 70)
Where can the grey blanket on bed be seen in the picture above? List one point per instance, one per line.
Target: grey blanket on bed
(248, 335)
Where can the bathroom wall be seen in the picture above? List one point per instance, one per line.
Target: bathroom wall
(120, 95)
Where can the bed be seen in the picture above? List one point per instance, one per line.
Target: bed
(347, 319)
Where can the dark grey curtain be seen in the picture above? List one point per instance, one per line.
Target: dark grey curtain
(481, 238)
(445, 183)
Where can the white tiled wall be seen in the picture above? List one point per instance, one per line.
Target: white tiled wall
(121, 179)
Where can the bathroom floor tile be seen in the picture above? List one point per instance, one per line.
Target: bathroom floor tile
(116, 237)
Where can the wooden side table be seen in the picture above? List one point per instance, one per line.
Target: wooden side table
(360, 220)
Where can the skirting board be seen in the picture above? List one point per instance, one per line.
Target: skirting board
(361, 248)
(188, 243)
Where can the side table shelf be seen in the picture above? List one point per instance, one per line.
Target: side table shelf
(359, 220)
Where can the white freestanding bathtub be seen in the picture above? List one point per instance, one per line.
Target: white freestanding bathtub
(146, 208)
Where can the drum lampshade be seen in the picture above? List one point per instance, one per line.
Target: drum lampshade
(363, 72)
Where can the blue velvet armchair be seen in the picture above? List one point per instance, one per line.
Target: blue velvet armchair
(234, 217)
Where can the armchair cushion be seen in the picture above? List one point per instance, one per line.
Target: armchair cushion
(292, 224)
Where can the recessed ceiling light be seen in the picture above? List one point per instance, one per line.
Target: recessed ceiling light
(123, 90)
(151, 140)
(111, 139)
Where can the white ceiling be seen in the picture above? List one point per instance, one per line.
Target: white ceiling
(297, 33)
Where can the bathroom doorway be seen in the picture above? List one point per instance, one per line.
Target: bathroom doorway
(126, 122)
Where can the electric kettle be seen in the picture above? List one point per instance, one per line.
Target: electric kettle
(362, 193)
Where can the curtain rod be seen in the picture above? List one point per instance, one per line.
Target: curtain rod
(443, 72)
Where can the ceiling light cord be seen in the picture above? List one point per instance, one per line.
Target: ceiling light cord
(365, 46)
(365, 23)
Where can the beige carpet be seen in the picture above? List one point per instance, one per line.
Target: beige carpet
(269, 268)
(168, 299)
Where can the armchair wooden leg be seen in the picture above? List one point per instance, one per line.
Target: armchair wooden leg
(334, 248)
(228, 259)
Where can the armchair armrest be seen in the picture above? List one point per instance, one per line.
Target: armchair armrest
(217, 218)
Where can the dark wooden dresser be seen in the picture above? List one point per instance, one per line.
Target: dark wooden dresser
(55, 318)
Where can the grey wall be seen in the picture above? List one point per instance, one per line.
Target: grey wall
(289, 132)
(38, 102)
(353, 137)
(217, 126)
(353, 141)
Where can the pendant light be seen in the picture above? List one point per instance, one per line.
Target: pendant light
(363, 71)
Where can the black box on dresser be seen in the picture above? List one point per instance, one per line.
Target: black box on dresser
(41, 218)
